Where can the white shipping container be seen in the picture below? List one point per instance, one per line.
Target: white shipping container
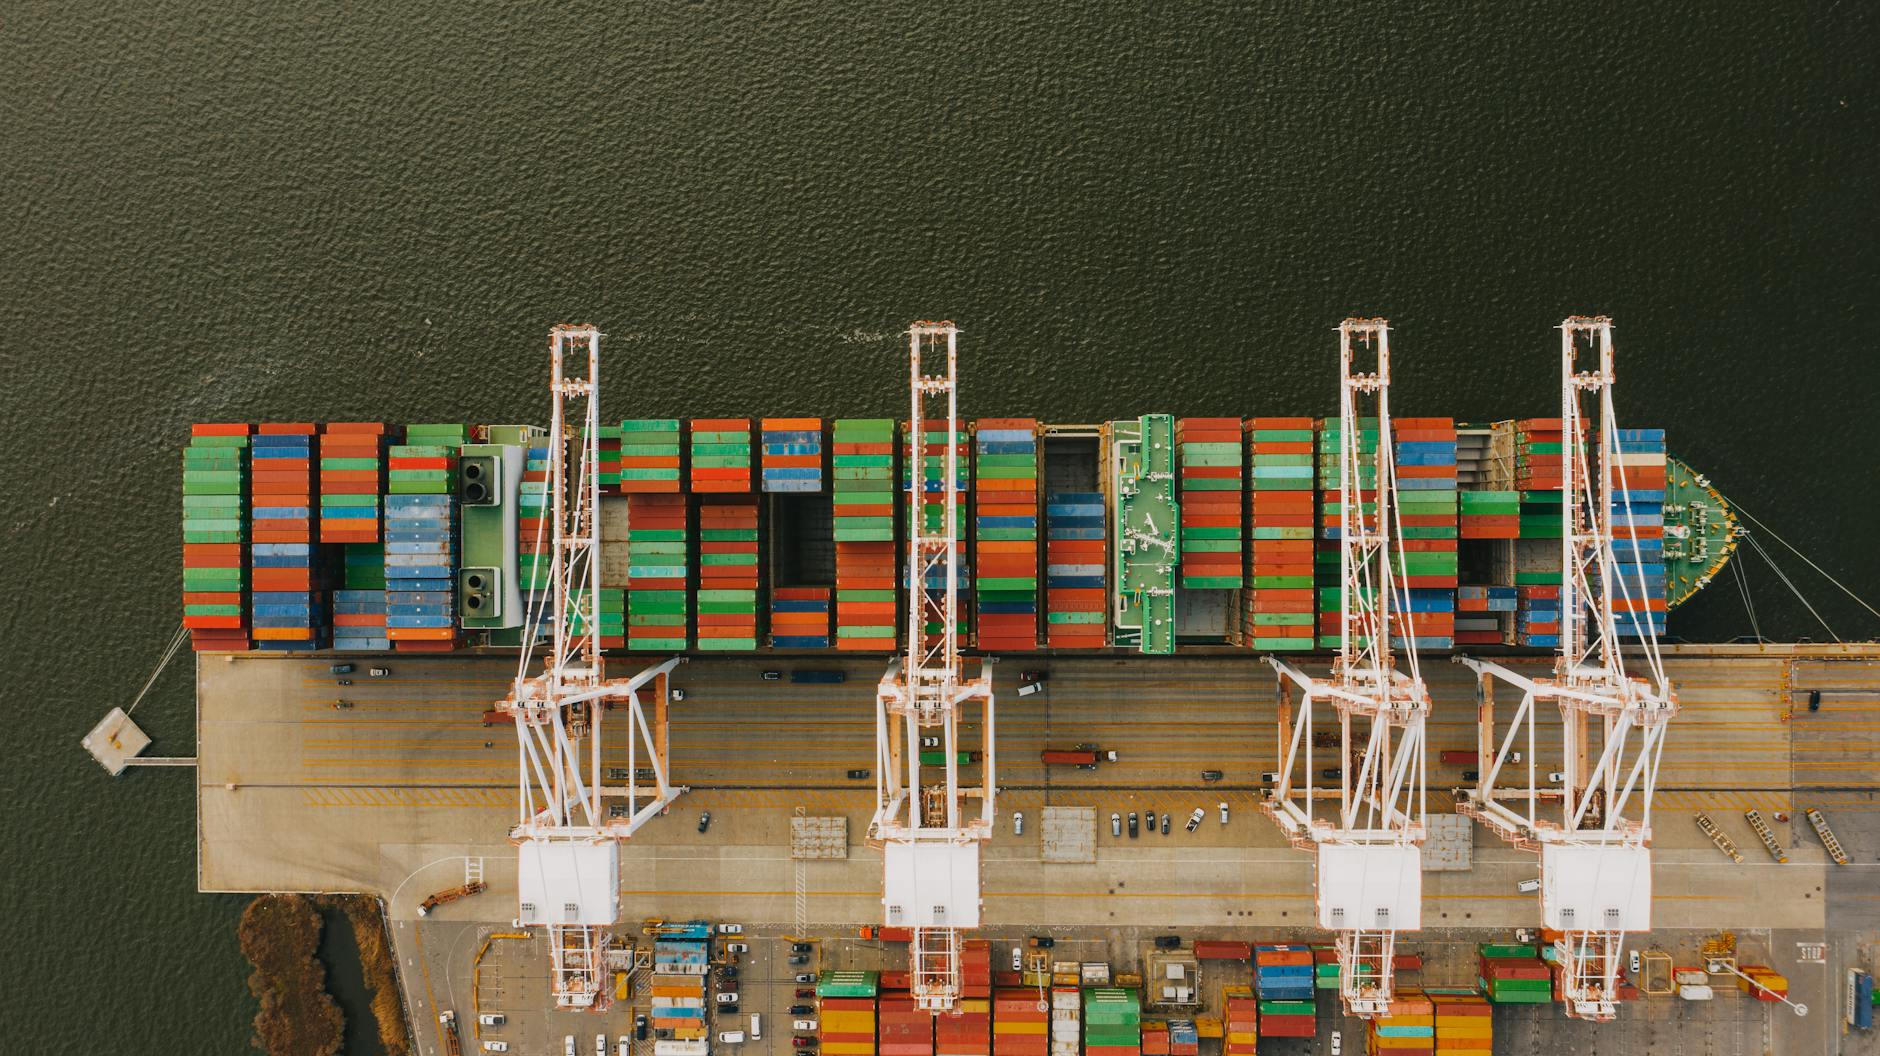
(1691, 977)
(1696, 992)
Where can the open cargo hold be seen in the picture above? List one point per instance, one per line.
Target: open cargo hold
(1075, 599)
(721, 455)
(1005, 533)
(931, 509)
(792, 455)
(1276, 610)
(866, 574)
(658, 572)
(289, 604)
(727, 573)
(1211, 482)
(215, 536)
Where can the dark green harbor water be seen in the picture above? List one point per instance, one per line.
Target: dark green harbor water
(217, 211)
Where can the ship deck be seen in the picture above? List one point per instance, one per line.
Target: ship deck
(390, 795)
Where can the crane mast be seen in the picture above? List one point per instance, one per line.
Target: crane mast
(1595, 861)
(923, 820)
(1370, 862)
(570, 821)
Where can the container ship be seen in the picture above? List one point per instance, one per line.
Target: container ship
(1159, 534)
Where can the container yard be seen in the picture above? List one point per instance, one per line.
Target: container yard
(799, 611)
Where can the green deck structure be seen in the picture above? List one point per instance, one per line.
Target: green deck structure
(1147, 521)
(1700, 532)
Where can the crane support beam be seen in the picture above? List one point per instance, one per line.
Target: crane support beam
(1595, 854)
(1368, 832)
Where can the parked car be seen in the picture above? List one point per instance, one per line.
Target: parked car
(704, 820)
(727, 972)
(801, 947)
(1270, 777)
(730, 1037)
(858, 775)
(1018, 958)
(803, 1024)
(341, 669)
(1528, 887)
(802, 1010)
(802, 1043)
(730, 929)
(797, 958)
(772, 676)
(381, 672)
(1116, 824)
(1148, 819)
(1165, 823)
(491, 1019)
(1633, 962)
(567, 1045)
(1134, 828)
(1018, 823)
(1211, 775)
(1223, 807)
(1194, 820)
(1558, 777)
(677, 695)
(930, 742)
(1168, 942)
(1030, 682)
(600, 1045)
(728, 998)
(806, 994)
(639, 1027)
(491, 1045)
(737, 947)
(1043, 942)
(343, 682)
(805, 977)
(1471, 775)
(728, 1010)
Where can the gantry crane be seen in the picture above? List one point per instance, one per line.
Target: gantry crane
(930, 844)
(1595, 862)
(1370, 860)
(570, 821)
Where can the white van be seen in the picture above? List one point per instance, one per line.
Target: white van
(1528, 887)
(757, 1026)
(495, 1046)
(730, 1037)
(491, 1019)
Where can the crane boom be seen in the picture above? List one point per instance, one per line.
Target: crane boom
(1370, 871)
(922, 822)
(1595, 860)
(567, 835)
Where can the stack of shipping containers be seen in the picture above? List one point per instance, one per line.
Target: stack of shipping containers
(905, 1029)
(1112, 1022)
(1005, 533)
(1240, 1021)
(1764, 983)
(657, 571)
(1211, 543)
(1155, 1037)
(965, 1031)
(846, 1023)
(1075, 601)
(1513, 974)
(792, 456)
(534, 533)
(1019, 1026)
(351, 461)
(1276, 610)
(1409, 1027)
(215, 562)
(421, 540)
(1425, 458)
(721, 456)
(649, 456)
(607, 440)
(1638, 530)
(1067, 1028)
(727, 571)
(1537, 476)
(290, 606)
(678, 988)
(1465, 1024)
(864, 535)
(930, 484)
(1331, 512)
(1283, 976)
(1183, 1038)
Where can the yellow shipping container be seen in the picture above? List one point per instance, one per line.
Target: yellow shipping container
(1038, 1027)
(847, 1021)
(849, 1048)
(1475, 1027)
(1240, 1037)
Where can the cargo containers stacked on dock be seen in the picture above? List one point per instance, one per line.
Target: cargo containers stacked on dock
(1005, 534)
(846, 1024)
(658, 573)
(1184, 1039)
(1019, 1026)
(721, 455)
(1075, 599)
(1112, 1021)
(421, 539)
(1425, 459)
(1465, 1024)
(931, 509)
(1283, 976)
(649, 456)
(1513, 974)
(1211, 538)
(1240, 1021)
(1638, 529)
(976, 969)
(1764, 983)
(678, 988)
(866, 576)
(1331, 514)
(1155, 1037)
(215, 559)
(792, 455)
(288, 591)
(727, 573)
(905, 1029)
(1408, 1027)
(1275, 613)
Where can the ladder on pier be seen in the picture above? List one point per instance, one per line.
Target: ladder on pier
(1724, 843)
(1828, 840)
(1765, 834)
